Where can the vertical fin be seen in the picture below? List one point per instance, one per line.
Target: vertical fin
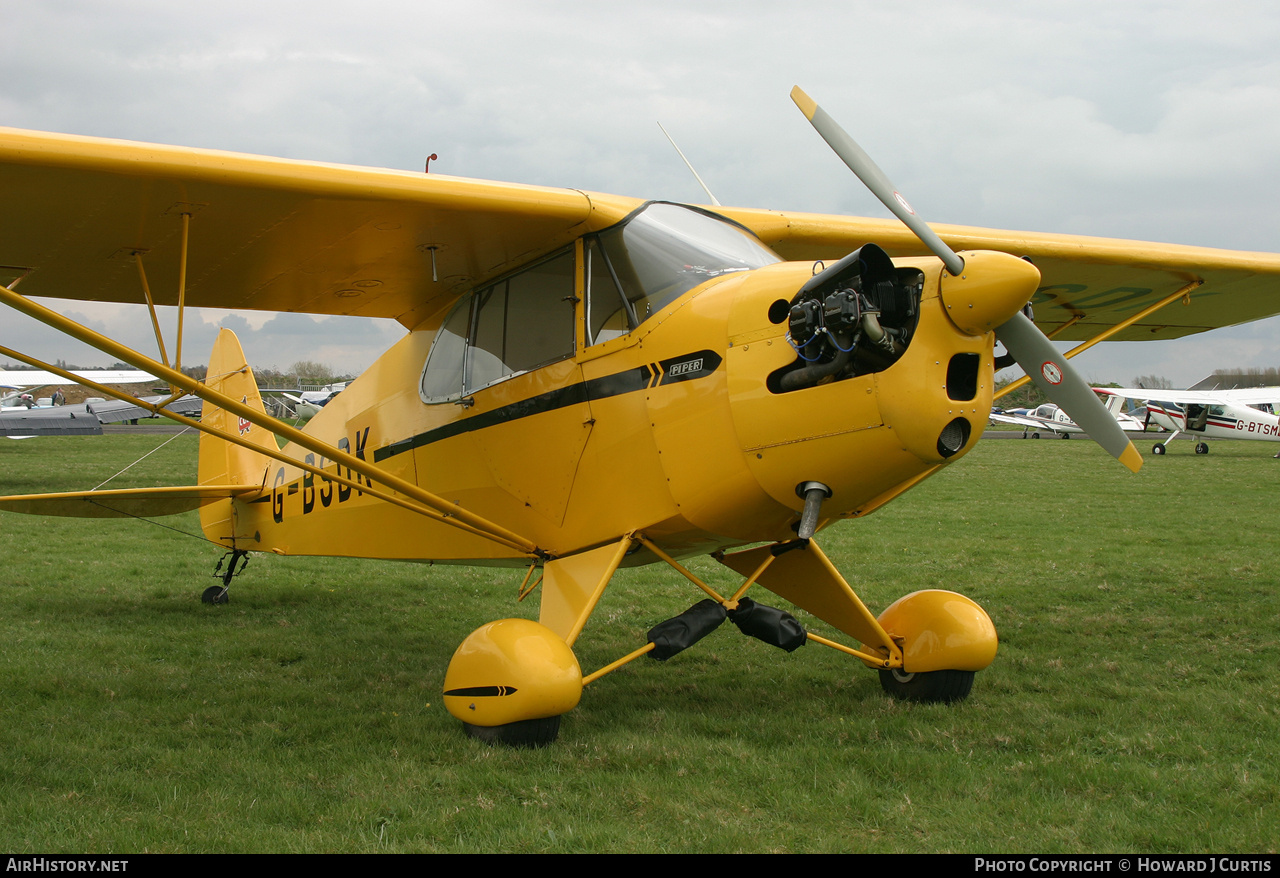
(221, 462)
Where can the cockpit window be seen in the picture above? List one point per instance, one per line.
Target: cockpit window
(656, 256)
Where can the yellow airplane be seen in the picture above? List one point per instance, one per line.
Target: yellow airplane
(589, 382)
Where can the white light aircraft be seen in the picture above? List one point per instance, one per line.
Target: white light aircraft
(1049, 417)
(1207, 414)
(21, 381)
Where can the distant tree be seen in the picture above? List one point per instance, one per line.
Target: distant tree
(1028, 396)
(310, 372)
(1153, 382)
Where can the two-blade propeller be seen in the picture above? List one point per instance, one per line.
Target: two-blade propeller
(1030, 348)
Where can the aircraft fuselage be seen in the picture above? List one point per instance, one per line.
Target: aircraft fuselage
(689, 427)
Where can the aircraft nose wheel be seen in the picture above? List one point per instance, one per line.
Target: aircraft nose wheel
(1202, 448)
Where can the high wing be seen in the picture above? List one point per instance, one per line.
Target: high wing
(284, 235)
(1088, 284)
(23, 378)
(1243, 396)
(266, 233)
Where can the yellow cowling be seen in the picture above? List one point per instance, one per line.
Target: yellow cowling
(940, 630)
(511, 670)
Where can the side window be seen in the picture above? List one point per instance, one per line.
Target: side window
(515, 325)
(540, 315)
(442, 378)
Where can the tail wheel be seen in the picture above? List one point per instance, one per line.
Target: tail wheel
(522, 733)
(215, 594)
(927, 686)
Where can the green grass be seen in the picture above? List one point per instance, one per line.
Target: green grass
(1133, 705)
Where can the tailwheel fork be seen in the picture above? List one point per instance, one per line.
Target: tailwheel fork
(219, 594)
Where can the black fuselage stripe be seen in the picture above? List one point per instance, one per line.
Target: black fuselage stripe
(584, 391)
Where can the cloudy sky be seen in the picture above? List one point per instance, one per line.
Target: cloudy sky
(1156, 121)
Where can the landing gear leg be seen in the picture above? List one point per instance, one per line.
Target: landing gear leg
(218, 594)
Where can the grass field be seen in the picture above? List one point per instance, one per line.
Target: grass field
(1134, 704)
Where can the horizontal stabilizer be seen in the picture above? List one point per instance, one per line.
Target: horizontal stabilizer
(125, 503)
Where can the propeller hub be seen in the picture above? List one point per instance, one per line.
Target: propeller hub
(992, 288)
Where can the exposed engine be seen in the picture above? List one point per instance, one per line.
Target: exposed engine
(852, 318)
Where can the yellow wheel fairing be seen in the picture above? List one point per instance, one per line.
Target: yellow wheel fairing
(940, 630)
(511, 670)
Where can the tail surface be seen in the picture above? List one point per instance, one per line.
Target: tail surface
(222, 462)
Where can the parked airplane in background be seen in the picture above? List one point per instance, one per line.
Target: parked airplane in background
(591, 381)
(1051, 418)
(27, 381)
(1209, 414)
(308, 403)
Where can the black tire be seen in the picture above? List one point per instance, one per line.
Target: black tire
(523, 733)
(215, 594)
(1157, 449)
(1066, 435)
(1035, 435)
(928, 687)
(1202, 448)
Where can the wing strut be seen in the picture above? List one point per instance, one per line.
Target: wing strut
(448, 511)
(151, 306)
(1183, 293)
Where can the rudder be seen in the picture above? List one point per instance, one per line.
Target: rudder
(222, 462)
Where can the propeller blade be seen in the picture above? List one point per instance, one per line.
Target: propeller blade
(874, 179)
(1030, 348)
(1063, 385)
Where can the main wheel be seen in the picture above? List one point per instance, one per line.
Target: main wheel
(927, 686)
(1202, 448)
(1066, 435)
(522, 733)
(215, 594)
(1157, 449)
(1035, 435)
